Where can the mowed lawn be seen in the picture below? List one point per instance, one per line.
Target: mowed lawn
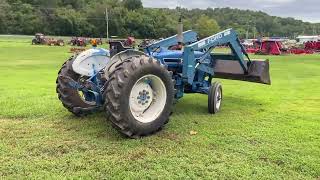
(262, 132)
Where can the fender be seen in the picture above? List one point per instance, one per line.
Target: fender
(91, 61)
(119, 58)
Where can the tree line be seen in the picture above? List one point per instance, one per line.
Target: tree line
(128, 17)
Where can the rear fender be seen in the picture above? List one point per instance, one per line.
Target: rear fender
(91, 61)
(120, 57)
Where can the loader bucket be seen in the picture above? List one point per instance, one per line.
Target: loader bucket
(258, 71)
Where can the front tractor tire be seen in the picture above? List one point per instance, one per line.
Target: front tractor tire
(215, 98)
(139, 95)
(72, 99)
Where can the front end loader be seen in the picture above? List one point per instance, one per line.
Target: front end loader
(137, 89)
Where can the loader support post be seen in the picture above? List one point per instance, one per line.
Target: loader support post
(229, 66)
(237, 50)
(188, 64)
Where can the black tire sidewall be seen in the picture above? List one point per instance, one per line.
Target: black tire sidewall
(212, 101)
(73, 95)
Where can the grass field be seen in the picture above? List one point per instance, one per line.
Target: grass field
(262, 132)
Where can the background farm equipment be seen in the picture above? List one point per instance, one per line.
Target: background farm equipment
(55, 42)
(312, 46)
(272, 47)
(300, 51)
(137, 89)
(95, 42)
(145, 43)
(99, 41)
(75, 50)
(78, 41)
(82, 41)
(267, 47)
(117, 46)
(40, 39)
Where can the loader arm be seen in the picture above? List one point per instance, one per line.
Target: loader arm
(206, 45)
(228, 66)
(188, 37)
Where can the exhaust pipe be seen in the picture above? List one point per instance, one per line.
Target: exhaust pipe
(180, 31)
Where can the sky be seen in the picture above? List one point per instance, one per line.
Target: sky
(306, 10)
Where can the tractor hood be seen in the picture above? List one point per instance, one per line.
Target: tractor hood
(173, 54)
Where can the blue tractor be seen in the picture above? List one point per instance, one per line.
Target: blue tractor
(137, 89)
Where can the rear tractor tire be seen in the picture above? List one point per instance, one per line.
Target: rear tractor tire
(139, 95)
(215, 98)
(72, 99)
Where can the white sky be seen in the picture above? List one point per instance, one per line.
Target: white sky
(306, 10)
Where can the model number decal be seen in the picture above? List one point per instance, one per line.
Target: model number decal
(212, 39)
(227, 33)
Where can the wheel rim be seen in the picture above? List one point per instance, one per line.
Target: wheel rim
(147, 98)
(218, 98)
(86, 97)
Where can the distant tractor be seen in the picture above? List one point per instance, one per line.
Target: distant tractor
(78, 41)
(40, 39)
(55, 42)
(98, 40)
(83, 42)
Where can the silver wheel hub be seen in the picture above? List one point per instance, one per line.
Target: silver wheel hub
(143, 98)
(218, 98)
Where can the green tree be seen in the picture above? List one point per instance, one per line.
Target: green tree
(87, 18)
(23, 20)
(132, 4)
(4, 10)
(206, 26)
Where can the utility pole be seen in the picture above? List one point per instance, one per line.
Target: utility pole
(247, 33)
(107, 19)
(180, 26)
(254, 30)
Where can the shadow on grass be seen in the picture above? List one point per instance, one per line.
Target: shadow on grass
(98, 127)
(95, 126)
(229, 103)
